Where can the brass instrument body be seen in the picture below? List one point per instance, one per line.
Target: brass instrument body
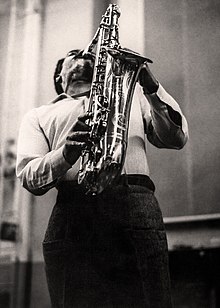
(115, 74)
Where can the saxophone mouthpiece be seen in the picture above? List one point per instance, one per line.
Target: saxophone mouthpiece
(116, 9)
(81, 53)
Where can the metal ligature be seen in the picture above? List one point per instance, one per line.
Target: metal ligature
(115, 75)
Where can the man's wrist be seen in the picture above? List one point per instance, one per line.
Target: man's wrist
(59, 165)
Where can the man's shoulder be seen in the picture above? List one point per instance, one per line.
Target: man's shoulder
(47, 108)
(59, 98)
(54, 104)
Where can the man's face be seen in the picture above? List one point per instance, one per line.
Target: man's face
(76, 75)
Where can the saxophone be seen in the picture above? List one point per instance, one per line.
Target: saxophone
(115, 75)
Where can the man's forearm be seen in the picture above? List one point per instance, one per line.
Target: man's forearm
(168, 123)
(39, 174)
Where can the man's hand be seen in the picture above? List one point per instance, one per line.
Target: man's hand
(77, 140)
(147, 80)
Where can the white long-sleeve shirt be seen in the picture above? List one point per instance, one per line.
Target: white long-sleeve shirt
(43, 131)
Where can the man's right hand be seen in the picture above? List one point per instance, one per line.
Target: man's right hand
(77, 140)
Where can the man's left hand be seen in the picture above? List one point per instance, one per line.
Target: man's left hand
(147, 80)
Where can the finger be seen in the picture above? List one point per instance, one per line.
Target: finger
(76, 144)
(78, 136)
(85, 117)
(80, 126)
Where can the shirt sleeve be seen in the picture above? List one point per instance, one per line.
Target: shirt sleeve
(165, 124)
(37, 167)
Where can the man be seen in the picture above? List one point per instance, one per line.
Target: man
(108, 250)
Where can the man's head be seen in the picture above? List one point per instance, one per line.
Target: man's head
(76, 73)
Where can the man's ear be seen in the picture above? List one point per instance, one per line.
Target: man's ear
(58, 84)
(57, 77)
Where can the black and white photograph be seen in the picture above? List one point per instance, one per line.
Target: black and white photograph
(109, 154)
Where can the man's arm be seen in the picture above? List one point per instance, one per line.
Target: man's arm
(166, 126)
(38, 168)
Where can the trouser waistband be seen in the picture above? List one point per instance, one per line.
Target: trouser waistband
(125, 179)
(136, 179)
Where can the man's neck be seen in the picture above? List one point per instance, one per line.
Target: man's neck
(85, 93)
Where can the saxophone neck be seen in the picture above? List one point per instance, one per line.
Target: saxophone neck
(110, 18)
(108, 22)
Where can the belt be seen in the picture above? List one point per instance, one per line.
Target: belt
(136, 179)
(125, 179)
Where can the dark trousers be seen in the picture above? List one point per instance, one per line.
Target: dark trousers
(108, 250)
